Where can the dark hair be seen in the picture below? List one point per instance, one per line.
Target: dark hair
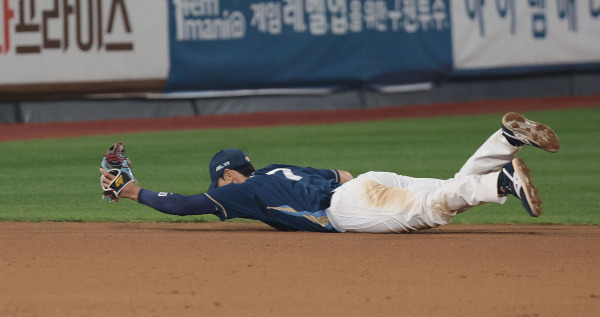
(246, 170)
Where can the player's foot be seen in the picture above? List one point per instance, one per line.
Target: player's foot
(519, 131)
(515, 179)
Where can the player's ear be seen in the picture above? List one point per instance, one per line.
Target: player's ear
(224, 179)
(227, 175)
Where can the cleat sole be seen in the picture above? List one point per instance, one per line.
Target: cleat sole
(531, 132)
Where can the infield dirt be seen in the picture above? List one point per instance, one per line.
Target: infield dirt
(247, 269)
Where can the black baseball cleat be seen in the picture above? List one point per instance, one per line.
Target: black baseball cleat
(519, 131)
(515, 179)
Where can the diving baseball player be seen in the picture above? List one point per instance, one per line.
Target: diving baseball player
(289, 197)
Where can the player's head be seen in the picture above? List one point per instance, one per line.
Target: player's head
(229, 159)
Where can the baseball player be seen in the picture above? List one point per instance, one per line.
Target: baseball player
(289, 197)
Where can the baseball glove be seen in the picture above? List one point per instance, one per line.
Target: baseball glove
(118, 165)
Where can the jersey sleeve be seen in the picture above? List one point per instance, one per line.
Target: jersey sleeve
(180, 205)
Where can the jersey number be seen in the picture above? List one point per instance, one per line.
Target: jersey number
(287, 173)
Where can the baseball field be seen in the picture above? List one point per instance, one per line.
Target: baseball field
(66, 252)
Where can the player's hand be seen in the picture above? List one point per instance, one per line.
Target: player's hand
(116, 172)
(130, 190)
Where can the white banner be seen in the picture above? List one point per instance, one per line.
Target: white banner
(521, 33)
(54, 41)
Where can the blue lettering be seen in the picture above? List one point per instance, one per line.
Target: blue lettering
(475, 10)
(505, 7)
(595, 8)
(568, 10)
(538, 19)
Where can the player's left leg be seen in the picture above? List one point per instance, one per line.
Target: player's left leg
(504, 145)
(520, 131)
(490, 156)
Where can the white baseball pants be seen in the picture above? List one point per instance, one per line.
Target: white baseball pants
(382, 202)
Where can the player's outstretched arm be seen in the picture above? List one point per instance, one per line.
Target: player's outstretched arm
(130, 190)
(168, 203)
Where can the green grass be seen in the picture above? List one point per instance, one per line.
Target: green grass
(58, 179)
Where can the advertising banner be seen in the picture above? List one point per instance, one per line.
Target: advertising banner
(213, 45)
(514, 33)
(234, 44)
(73, 41)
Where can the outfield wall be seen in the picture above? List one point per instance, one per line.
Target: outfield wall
(79, 60)
(303, 100)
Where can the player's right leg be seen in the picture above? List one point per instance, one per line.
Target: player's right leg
(462, 193)
(515, 179)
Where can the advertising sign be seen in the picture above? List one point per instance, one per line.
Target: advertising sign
(52, 41)
(229, 44)
(514, 33)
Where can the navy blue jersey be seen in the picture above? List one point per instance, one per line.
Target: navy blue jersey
(285, 197)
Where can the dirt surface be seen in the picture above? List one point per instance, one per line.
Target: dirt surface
(247, 269)
(233, 269)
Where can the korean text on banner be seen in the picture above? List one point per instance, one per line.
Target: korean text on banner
(229, 44)
(515, 33)
(44, 41)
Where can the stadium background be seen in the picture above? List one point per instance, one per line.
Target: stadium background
(100, 60)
